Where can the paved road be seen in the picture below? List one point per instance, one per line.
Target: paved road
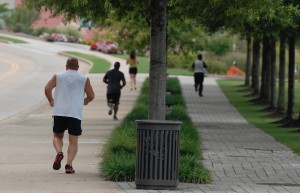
(241, 157)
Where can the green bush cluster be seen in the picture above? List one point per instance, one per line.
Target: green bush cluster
(183, 61)
(216, 66)
(238, 57)
(119, 157)
(21, 19)
(219, 45)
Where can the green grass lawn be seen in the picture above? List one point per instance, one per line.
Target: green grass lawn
(8, 39)
(143, 66)
(256, 115)
(99, 65)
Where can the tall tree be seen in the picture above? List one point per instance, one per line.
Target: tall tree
(273, 76)
(281, 76)
(264, 89)
(3, 8)
(158, 59)
(255, 66)
(248, 61)
(291, 79)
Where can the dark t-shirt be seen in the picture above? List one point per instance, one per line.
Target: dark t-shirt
(114, 78)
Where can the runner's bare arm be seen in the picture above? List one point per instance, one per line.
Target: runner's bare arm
(48, 90)
(89, 92)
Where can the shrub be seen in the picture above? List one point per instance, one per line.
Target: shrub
(118, 167)
(123, 142)
(183, 61)
(219, 45)
(238, 57)
(39, 31)
(193, 171)
(216, 66)
(178, 114)
(172, 86)
(21, 19)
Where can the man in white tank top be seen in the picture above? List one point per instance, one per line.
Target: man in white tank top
(72, 91)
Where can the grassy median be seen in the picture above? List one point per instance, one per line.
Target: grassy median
(9, 39)
(99, 65)
(119, 153)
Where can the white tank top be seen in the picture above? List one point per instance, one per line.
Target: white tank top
(199, 66)
(69, 94)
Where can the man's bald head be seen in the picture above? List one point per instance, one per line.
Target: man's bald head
(72, 63)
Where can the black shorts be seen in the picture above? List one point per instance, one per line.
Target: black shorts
(133, 70)
(113, 98)
(199, 78)
(73, 125)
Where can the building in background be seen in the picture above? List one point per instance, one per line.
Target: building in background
(48, 21)
(46, 18)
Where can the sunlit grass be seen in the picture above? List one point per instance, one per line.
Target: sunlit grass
(13, 40)
(99, 65)
(143, 66)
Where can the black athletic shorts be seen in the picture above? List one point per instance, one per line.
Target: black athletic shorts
(133, 70)
(113, 98)
(73, 125)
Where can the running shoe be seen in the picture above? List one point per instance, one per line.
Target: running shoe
(115, 118)
(111, 109)
(69, 169)
(57, 161)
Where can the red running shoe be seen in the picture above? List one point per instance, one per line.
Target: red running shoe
(57, 161)
(69, 169)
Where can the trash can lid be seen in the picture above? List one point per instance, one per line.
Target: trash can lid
(162, 122)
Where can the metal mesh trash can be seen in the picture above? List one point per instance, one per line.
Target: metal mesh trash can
(157, 154)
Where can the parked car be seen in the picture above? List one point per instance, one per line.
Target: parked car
(106, 47)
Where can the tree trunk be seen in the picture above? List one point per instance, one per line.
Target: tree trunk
(255, 66)
(248, 64)
(158, 60)
(273, 72)
(265, 88)
(291, 81)
(281, 86)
